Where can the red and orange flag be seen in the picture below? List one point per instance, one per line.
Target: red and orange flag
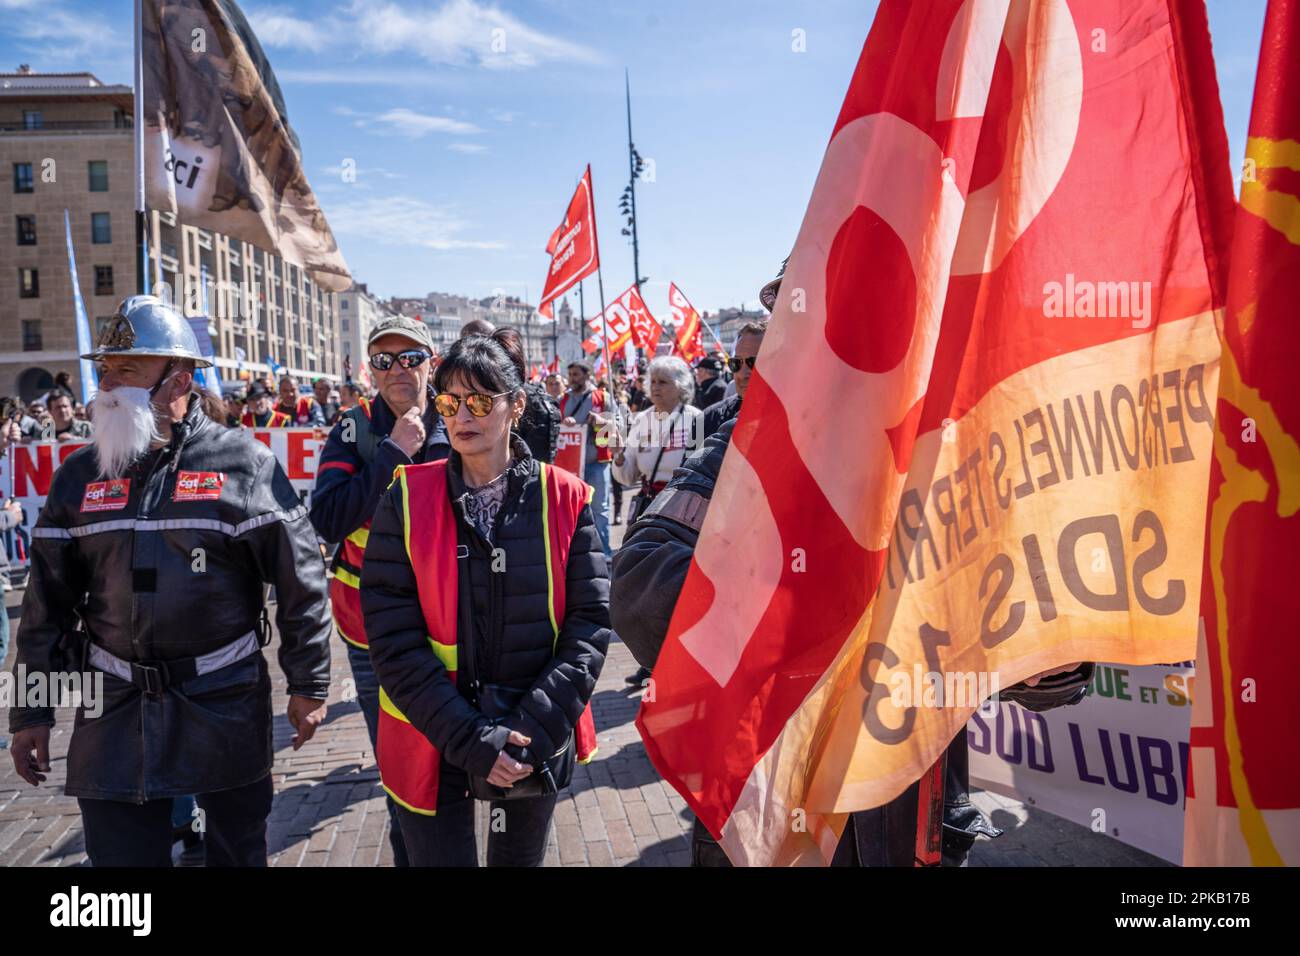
(977, 443)
(688, 343)
(1243, 805)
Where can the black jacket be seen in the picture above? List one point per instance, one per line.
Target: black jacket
(348, 486)
(153, 578)
(540, 425)
(512, 638)
(719, 413)
(709, 393)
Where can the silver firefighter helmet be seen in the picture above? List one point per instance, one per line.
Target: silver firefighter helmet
(146, 325)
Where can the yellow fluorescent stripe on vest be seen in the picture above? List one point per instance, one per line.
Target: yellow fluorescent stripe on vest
(445, 653)
(406, 512)
(388, 707)
(550, 573)
(360, 537)
(403, 803)
(347, 577)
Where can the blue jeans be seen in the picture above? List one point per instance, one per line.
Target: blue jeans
(596, 474)
(367, 684)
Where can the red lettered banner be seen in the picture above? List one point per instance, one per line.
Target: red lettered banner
(1018, 336)
(571, 451)
(573, 247)
(1243, 807)
(688, 343)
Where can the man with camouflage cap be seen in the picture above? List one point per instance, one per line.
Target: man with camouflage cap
(399, 427)
(149, 564)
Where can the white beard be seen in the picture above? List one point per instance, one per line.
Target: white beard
(125, 427)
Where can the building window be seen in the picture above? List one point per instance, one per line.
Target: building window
(31, 335)
(32, 119)
(101, 230)
(29, 284)
(98, 175)
(103, 280)
(26, 230)
(23, 178)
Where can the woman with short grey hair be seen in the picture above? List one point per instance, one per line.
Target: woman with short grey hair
(662, 435)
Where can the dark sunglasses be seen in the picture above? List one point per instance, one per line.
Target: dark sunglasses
(734, 363)
(411, 358)
(479, 404)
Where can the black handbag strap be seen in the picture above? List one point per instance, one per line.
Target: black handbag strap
(468, 669)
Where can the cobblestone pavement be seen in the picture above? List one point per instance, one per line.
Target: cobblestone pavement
(329, 809)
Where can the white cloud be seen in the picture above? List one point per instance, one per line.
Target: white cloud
(60, 37)
(460, 33)
(404, 221)
(275, 28)
(361, 172)
(503, 116)
(467, 148)
(412, 123)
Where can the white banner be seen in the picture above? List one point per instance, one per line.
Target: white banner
(26, 470)
(1115, 763)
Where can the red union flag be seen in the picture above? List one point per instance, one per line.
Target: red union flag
(616, 320)
(688, 343)
(1243, 804)
(1007, 280)
(645, 328)
(574, 252)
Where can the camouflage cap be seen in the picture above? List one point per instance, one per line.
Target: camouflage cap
(402, 325)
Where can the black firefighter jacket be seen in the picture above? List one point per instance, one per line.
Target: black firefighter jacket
(170, 562)
(513, 641)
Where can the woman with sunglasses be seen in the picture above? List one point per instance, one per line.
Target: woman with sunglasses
(486, 601)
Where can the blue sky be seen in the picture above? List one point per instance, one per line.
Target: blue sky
(466, 155)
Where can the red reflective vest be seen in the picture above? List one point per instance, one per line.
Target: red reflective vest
(345, 580)
(301, 410)
(277, 420)
(603, 451)
(409, 764)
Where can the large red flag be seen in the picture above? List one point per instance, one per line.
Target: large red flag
(976, 444)
(574, 251)
(1243, 803)
(688, 343)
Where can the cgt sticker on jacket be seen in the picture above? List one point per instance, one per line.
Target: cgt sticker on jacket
(106, 495)
(198, 486)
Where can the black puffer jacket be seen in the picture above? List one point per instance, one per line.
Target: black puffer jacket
(513, 636)
(159, 570)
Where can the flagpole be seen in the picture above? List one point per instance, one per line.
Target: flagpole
(141, 276)
(600, 282)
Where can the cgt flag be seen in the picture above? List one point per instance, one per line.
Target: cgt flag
(1004, 482)
(219, 150)
(645, 327)
(574, 251)
(688, 343)
(1243, 803)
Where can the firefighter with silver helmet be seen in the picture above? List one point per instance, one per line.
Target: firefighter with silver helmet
(149, 564)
